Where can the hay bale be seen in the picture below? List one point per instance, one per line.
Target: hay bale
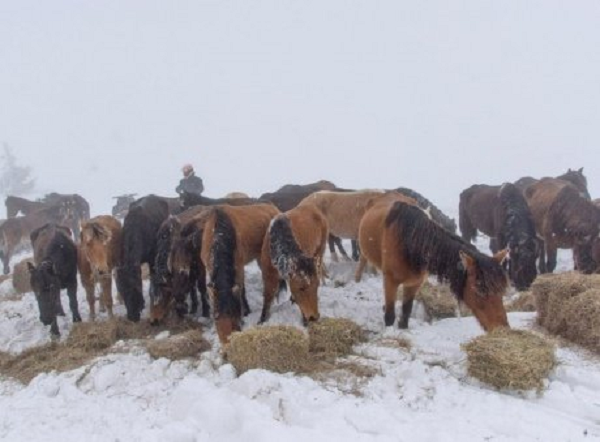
(510, 359)
(523, 302)
(93, 336)
(438, 301)
(277, 348)
(184, 345)
(334, 336)
(582, 316)
(20, 279)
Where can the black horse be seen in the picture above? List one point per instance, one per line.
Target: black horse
(139, 238)
(55, 256)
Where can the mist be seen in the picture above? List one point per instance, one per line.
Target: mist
(106, 98)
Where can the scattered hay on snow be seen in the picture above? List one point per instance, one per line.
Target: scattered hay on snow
(522, 302)
(510, 359)
(438, 301)
(183, 345)
(277, 348)
(20, 277)
(334, 336)
(93, 336)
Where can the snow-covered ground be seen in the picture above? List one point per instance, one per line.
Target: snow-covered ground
(422, 394)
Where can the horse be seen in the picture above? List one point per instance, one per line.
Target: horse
(121, 207)
(232, 237)
(399, 238)
(565, 219)
(55, 268)
(289, 196)
(502, 213)
(139, 240)
(436, 214)
(575, 177)
(177, 269)
(99, 253)
(15, 205)
(292, 252)
(17, 230)
(77, 207)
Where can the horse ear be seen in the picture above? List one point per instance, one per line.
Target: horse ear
(467, 261)
(501, 256)
(580, 170)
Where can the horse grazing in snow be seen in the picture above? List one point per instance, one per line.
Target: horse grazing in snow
(400, 239)
(502, 213)
(232, 237)
(99, 253)
(292, 252)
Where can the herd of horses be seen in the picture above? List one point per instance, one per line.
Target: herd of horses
(197, 247)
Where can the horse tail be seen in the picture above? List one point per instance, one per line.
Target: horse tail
(467, 229)
(286, 255)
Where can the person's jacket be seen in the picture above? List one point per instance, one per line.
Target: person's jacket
(190, 184)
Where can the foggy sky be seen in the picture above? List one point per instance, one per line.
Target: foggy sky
(109, 97)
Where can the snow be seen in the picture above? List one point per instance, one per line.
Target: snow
(422, 394)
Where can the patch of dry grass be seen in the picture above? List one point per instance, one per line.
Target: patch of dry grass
(20, 276)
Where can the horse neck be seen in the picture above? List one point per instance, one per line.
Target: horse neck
(223, 250)
(517, 220)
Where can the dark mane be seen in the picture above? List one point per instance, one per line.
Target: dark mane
(223, 251)
(517, 224)
(428, 247)
(573, 215)
(286, 256)
(440, 217)
(578, 179)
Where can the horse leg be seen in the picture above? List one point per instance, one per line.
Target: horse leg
(201, 284)
(355, 250)
(106, 295)
(408, 297)
(338, 242)
(271, 287)
(390, 287)
(193, 300)
(551, 251)
(54, 331)
(360, 269)
(72, 294)
(331, 242)
(542, 257)
(88, 285)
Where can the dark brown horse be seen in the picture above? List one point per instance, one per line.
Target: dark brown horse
(16, 205)
(436, 214)
(575, 177)
(502, 213)
(17, 230)
(293, 252)
(406, 245)
(55, 256)
(232, 237)
(121, 207)
(563, 219)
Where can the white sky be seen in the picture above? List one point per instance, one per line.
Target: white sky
(108, 97)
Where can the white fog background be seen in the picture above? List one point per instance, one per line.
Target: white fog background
(109, 97)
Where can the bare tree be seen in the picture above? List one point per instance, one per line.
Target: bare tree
(14, 178)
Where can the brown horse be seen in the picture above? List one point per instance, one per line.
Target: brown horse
(15, 205)
(99, 253)
(17, 230)
(563, 219)
(502, 213)
(575, 177)
(232, 237)
(406, 245)
(293, 252)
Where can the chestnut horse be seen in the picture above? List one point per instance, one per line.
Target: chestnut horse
(502, 213)
(564, 219)
(99, 253)
(406, 245)
(232, 237)
(293, 252)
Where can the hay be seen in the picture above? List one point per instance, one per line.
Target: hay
(20, 277)
(582, 314)
(510, 359)
(438, 301)
(184, 345)
(277, 348)
(91, 336)
(523, 302)
(334, 336)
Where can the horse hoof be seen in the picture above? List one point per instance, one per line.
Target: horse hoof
(77, 318)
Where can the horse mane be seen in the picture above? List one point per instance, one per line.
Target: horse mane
(577, 178)
(517, 224)
(572, 214)
(223, 249)
(428, 247)
(286, 256)
(444, 220)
